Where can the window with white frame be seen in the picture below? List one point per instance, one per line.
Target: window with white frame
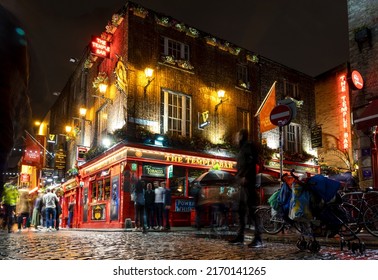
(242, 76)
(293, 138)
(176, 113)
(291, 90)
(243, 119)
(176, 49)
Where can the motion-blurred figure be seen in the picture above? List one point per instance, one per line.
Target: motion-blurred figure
(247, 159)
(9, 200)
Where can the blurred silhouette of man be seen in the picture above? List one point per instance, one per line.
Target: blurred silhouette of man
(247, 159)
(15, 112)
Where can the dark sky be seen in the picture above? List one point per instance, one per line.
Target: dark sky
(307, 35)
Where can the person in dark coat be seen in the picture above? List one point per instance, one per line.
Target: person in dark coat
(149, 198)
(247, 160)
(167, 205)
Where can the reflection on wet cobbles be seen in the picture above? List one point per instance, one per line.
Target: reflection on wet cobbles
(90, 245)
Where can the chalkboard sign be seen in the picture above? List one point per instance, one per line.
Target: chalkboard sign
(316, 137)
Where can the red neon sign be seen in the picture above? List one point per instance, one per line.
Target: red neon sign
(100, 47)
(345, 137)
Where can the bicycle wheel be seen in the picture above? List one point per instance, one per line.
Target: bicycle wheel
(371, 219)
(270, 223)
(351, 218)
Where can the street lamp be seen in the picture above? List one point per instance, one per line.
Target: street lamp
(221, 94)
(102, 87)
(148, 72)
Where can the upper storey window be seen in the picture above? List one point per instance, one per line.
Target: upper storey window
(291, 90)
(175, 49)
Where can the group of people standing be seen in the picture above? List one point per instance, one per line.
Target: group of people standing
(152, 206)
(17, 207)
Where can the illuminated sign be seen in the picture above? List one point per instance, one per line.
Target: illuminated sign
(80, 153)
(344, 101)
(355, 80)
(203, 119)
(100, 47)
(120, 72)
(51, 138)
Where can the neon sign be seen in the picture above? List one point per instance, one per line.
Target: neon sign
(100, 47)
(344, 113)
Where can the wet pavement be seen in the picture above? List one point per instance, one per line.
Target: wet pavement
(177, 244)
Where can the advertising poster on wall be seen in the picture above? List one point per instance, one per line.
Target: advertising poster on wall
(115, 199)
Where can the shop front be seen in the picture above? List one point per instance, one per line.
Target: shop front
(70, 196)
(107, 182)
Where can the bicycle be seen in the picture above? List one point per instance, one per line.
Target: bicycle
(272, 222)
(362, 211)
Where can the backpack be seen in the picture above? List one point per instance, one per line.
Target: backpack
(284, 197)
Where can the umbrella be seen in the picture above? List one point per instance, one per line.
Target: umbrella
(263, 179)
(215, 176)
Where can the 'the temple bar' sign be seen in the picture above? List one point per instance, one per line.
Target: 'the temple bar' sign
(100, 47)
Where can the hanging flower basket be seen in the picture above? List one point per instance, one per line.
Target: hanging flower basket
(164, 21)
(100, 79)
(192, 32)
(117, 19)
(211, 41)
(139, 12)
(252, 58)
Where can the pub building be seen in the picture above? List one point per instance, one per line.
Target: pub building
(103, 190)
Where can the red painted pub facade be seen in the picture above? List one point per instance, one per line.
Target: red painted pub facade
(103, 189)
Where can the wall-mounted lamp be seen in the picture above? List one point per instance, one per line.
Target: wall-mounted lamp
(108, 100)
(68, 129)
(102, 87)
(83, 112)
(148, 72)
(221, 94)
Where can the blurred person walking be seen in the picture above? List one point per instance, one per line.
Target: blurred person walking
(247, 160)
(9, 200)
(139, 206)
(36, 215)
(23, 209)
(167, 205)
(71, 209)
(58, 211)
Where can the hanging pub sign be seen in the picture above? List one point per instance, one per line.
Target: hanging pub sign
(100, 47)
(52, 138)
(80, 153)
(203, 119)
(316, 137)
(355, 80)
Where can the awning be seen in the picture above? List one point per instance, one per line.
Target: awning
(369, 116)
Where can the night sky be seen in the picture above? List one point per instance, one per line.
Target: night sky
(306, 35)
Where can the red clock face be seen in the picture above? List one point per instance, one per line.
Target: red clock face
(357, 80)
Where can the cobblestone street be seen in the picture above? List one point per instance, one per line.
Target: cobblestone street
(175, 245)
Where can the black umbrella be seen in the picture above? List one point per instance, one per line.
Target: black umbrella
(263, 179)
(214, 177)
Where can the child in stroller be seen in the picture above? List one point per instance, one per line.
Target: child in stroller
(316, 207)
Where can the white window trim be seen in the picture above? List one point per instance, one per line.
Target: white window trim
(182, 48)
(184, 106)
(298, 138)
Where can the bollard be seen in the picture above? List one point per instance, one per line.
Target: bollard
(128, 223)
